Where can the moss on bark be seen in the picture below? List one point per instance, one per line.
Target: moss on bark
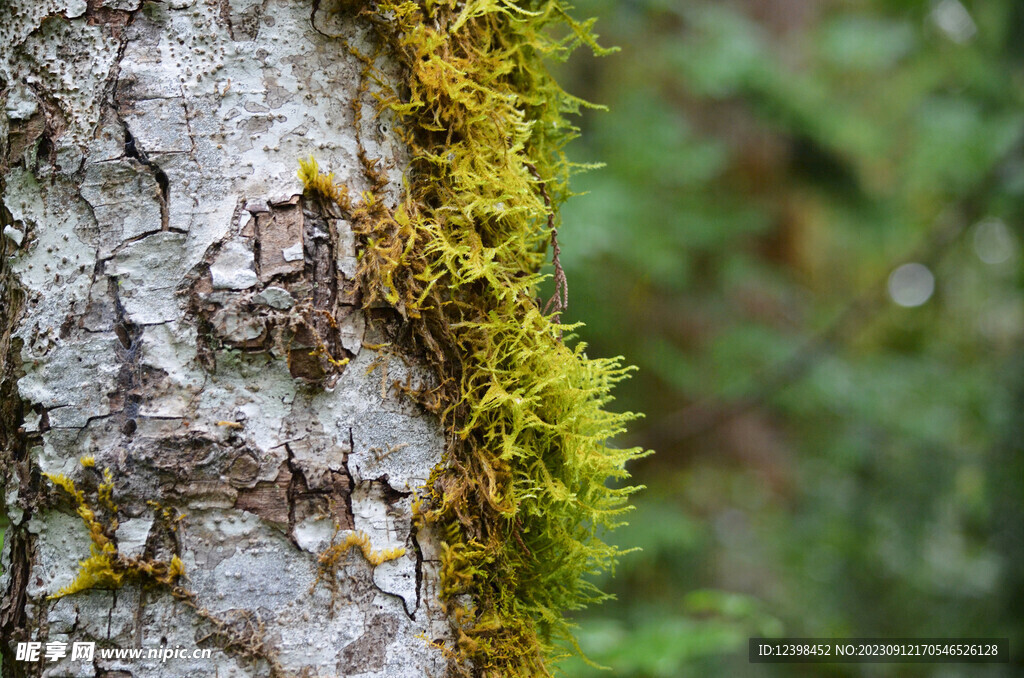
(529, 483)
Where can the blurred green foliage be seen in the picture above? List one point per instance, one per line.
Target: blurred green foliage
(829, 463)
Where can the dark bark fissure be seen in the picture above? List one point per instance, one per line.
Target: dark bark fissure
(414, 534)
(50, 126)
(319, 251)
(110, 610)
(391, 495)
(348, 476)
(129, 336)
(297, 486)
(134, 151)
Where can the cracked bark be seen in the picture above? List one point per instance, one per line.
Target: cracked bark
(170, 306)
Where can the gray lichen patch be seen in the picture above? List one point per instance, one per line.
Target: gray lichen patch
(234, 268)
(147, 273)
(73, 380)
(68, 82)
(59, 537)
(125, 200)
(192, 323)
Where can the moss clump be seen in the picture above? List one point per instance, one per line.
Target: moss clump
(105, 567)
(523, 496)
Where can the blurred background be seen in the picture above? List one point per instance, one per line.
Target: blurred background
(808, 237)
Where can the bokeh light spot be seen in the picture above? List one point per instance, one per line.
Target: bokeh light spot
(911, 285)
(954, 20)
(993, 241)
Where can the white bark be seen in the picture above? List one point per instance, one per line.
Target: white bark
(165, 265)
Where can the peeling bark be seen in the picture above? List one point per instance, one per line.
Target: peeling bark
(171, 307)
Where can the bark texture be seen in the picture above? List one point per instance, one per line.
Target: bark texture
(171, 307)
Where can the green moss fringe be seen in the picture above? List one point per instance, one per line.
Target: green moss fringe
(523, 495)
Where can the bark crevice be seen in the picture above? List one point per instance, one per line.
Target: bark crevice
(133, 150)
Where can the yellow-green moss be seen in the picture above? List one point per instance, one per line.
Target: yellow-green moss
(106, 567)
(528, 483)
(330, 559)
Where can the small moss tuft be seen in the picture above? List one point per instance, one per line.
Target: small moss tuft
(329, 558)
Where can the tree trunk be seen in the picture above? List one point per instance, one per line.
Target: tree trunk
(174, 311)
